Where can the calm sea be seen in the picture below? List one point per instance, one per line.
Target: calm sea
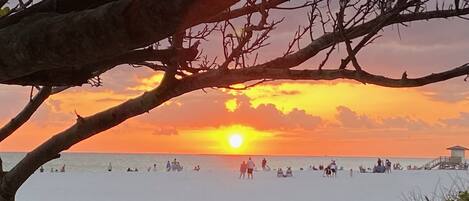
(94, 162)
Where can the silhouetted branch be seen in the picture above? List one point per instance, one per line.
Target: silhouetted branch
(25, 114)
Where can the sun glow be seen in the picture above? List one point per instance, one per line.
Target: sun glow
(231, 105)
(235, 140)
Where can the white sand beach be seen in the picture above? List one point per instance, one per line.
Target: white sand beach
(224, 185)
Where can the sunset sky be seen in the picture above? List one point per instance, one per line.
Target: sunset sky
(343, 118)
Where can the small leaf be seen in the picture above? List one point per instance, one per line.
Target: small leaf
(4, 11)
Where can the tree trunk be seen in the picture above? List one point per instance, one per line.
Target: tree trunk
(11, 198)
(5, 194)
(76, 40)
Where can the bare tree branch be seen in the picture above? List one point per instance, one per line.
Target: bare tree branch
(25, 114)
(259, 73)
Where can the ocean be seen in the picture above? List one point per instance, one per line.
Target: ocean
(99, 162)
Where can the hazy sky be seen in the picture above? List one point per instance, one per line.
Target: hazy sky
(301, 118)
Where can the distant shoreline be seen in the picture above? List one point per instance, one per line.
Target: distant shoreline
(228, 155)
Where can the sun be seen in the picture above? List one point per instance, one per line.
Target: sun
(235, 140)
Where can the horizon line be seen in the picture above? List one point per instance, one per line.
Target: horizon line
(228, 154)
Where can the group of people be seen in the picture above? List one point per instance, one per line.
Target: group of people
(62, 169)
(249, 168)
(382, 167)
(174, 166)
(154, 168)
(170, 166)
(132, 170)
(288, 172)
(331, 169)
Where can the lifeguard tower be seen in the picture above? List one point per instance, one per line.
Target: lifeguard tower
(456, 161)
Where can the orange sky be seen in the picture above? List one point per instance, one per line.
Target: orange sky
(282, 118)
(341, 118)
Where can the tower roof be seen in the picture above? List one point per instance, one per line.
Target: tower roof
(457, 148)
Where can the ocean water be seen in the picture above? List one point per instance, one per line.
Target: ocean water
(97, 162)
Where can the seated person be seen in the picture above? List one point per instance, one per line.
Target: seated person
(362, 170)
(328, 171)
(280, 172)
(289, 172)
(379, 169)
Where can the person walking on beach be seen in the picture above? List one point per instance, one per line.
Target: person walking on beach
(251, 166)
(242, 169)
(264, 163)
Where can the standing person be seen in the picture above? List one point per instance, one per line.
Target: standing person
(168, 166)
(174, 165)
(388, 166)
(379, 161)
(251, 166)
(289, 172)
(264, 163)
(333, 167)
(242, 169)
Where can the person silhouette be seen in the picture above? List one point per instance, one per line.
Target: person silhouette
(242, 169)
(250, 165)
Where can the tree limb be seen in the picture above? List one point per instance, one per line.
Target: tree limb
(329, 39)
(77, 77)
(259, 73)
(227, 15)
(25, 114)
(42, 41)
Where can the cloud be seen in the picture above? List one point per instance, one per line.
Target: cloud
(350, 119)
(168, 131)
(205, 111)
(461, 121)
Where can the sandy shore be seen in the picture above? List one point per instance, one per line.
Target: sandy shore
(225, 185)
